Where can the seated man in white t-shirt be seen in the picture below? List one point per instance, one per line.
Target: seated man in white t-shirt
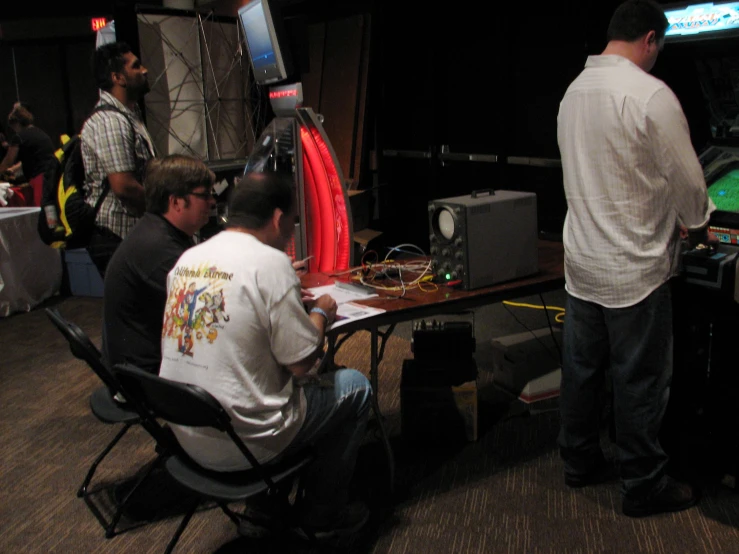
(236, 326)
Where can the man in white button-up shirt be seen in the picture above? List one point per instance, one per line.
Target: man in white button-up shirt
(632, 182)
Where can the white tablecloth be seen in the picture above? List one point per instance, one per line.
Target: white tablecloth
(30, 271)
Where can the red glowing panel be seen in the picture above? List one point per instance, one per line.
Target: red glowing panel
(283, 93)
(290, 249)
(98, 23)
(327, 220)
(317, 180)
(336, 191)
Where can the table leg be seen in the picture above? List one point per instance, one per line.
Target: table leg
(374, 380)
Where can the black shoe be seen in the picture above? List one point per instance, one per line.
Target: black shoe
(264, 516)
(346, 523)
(673, 497)
(604, 472)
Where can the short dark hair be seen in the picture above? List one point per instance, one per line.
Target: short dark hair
(108, 59)
(255, 198)
(20, 115)
(635, 18)
(23, 104)
(176, 175)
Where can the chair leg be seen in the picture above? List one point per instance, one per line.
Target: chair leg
(181, 528)
(110, 529)
(229, 512)
(83, 488)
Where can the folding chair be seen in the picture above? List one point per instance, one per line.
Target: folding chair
(189, 405)
(105, 409)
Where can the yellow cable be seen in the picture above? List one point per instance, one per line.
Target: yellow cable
(534, 306)
(559, 318)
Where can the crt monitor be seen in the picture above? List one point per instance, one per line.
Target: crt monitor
(265, 41)
(702, 20)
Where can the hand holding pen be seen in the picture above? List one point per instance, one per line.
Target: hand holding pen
(301, 266)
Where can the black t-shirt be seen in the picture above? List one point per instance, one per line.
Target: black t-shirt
(136, 292)
(35, 151)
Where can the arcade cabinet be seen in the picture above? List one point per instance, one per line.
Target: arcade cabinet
(295, 142)
(701, 428)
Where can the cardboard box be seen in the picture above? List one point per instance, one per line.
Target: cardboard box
(363, 241)
(432, 409)
(360, 203)
(527, 364)
(84, 277)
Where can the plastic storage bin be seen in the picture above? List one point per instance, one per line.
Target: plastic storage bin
(84, 277)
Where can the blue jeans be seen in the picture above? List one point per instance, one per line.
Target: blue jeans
(633, 347)
(335, 423)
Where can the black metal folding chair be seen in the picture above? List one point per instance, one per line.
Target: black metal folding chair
(107, 410)
(189, 405)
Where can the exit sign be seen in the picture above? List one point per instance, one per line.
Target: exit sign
(98, 23)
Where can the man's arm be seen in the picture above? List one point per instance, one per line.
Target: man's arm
(328, 306)
(675, 152)
(128, 190)
(10, 157)
(114, 143)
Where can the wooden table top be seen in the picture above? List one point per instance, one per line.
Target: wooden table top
(439, 299)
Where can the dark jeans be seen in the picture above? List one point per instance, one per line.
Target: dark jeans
(633, 347)
(102, 245)
(335, 423)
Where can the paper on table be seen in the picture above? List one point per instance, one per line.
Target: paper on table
(347, 310)
(342, 295)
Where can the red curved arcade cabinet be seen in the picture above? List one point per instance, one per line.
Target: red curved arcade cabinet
(295, 142)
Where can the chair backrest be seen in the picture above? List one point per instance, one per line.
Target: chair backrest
(181, 404)
(84, 349)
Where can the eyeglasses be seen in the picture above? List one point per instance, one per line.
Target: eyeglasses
(205, 195)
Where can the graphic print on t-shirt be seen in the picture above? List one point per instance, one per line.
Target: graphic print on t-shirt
(196, 307)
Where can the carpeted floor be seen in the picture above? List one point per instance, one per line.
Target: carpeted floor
(502, 493)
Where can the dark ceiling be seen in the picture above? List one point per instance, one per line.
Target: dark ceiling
(89, 8)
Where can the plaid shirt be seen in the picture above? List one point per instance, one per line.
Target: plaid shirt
(107, 148)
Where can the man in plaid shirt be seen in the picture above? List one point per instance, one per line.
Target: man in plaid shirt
(116, 146)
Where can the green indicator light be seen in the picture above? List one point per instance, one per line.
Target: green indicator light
(448, 276)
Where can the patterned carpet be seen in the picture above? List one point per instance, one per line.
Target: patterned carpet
(501, 493)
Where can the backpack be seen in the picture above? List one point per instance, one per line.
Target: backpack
(76, 217)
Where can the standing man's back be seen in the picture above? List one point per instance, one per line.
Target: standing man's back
(630, 171)
(115, 149)
(633, 186)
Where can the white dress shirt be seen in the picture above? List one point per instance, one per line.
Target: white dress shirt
(631, 177)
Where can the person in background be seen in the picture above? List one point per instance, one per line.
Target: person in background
(238, 328)
(32, 149)
(179, 200)
(115, 148)
(632, 182)
(3, 144)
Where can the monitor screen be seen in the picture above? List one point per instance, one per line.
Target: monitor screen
(725, 191)
(265, 42)
(721, 171)
(702, 21)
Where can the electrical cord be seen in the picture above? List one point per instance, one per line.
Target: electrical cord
(559, 318)
(392, 275)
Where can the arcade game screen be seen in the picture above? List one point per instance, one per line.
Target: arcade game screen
(702, 20)
(725, 191)
(725, 194)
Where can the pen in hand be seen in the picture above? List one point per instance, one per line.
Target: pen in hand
(301, 266)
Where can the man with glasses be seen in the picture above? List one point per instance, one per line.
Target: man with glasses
(179, 200)
(634, 186)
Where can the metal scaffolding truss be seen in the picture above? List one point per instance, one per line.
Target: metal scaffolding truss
(203, 100)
